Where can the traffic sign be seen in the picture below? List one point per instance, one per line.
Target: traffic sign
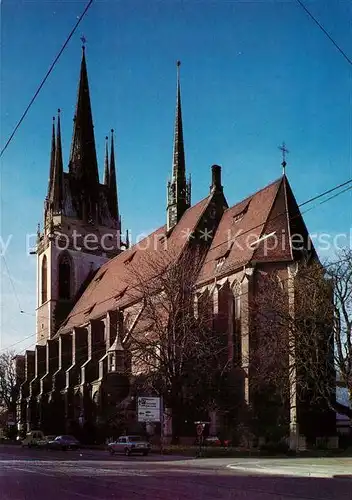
(200, 428)
(148, 409)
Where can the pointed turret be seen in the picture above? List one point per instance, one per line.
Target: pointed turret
(106, 163)
(56, 192)
(113, 201)
(52, 158)
(83, 164)
(179, 191)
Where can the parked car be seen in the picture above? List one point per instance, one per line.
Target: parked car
(42, 443)
(212, 441)
(32, 438)
(63, 443)
(129, 445)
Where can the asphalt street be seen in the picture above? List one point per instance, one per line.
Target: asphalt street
(94, 475)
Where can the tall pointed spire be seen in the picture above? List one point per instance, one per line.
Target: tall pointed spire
(113, 201)
(179, 164)
(83, 163)
(106, 163)
(52, 157)
(56, 193)
(179, 191)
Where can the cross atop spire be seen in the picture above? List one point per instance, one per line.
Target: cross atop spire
(284, 151)
(84, 41)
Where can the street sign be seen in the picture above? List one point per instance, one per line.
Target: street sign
(148, 409)
(11, 419)
(200, 428)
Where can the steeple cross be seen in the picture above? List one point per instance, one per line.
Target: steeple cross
(284, 151)
(84, 41)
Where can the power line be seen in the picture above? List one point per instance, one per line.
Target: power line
(16, 343)
(46, 76)
(325, 32)
(314, 198)
(349, 188)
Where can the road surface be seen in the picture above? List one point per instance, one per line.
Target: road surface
(93, 475)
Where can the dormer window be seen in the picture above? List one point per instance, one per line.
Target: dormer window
(88, 311)
(237, 217)
(129, 258)
(220, 260)
(121, 293)
(98, 278)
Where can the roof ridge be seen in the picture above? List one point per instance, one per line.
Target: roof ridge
(249, 197)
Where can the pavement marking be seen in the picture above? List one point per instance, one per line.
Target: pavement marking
(82, 495)
(287, 470)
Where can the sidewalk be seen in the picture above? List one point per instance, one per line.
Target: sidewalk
(301, 467)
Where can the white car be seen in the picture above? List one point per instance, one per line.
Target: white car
(32, 438)
(129, 445)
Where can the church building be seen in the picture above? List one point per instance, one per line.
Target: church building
(77, 371)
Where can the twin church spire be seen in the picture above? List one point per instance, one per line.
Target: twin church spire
(79, 193)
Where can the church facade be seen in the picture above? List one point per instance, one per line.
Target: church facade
(79, 371)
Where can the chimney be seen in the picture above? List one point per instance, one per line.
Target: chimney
(215, 178)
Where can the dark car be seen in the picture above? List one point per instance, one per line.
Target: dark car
(63, 443)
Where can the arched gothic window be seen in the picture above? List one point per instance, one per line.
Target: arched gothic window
(64, 277)
(44, 279)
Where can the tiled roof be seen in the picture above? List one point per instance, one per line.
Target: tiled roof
(241, 225)
(263, 213)
(111, 285)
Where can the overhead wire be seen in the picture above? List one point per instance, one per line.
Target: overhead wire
(314, 198)
(46, 77)
(348, 59)
(282, 213)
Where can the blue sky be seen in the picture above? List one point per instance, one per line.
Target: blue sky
(253, 74)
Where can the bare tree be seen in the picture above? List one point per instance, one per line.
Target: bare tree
(9, 381)
(174, 348)
(308, 341)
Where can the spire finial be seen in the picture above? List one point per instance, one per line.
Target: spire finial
(84, 41)
(284, 151)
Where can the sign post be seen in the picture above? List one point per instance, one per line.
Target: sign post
(161, 425)
(200, 426)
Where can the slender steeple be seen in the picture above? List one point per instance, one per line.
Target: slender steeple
(56, 193)
(179, 164)
(179, 191)
(83, 164)
(106, 163)
(52, 157)
(113, 201)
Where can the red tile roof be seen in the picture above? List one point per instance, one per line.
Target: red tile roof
(260, 214)
(240, 225)
(111, 286)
